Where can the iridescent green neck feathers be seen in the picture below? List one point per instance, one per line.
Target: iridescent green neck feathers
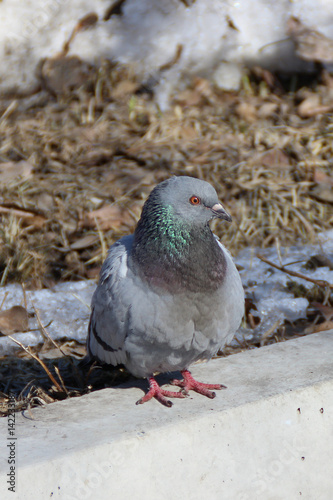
(171, 254)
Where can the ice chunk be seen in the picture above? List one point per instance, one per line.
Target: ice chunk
(66, 305)
(267, 286)
(65, 308)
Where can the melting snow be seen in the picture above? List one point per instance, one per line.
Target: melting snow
(217, 37)
(66, 306)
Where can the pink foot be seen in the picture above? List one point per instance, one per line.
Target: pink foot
(155, 391)
(189, 384)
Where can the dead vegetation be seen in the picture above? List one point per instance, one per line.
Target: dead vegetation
(78, 159)
(76, 168)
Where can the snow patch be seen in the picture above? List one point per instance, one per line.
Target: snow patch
(218, 37)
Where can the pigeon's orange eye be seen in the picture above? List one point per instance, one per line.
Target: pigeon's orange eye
(194, 200)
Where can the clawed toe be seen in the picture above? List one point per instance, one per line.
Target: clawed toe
(186, 385)
(155, 391)
(190, 384)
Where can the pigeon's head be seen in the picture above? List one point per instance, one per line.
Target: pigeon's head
(193, 200)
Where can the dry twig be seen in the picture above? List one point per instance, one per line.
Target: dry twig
(34, 356)
(321, 283)
(44, 332)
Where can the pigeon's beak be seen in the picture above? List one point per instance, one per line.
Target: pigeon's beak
(220, 212)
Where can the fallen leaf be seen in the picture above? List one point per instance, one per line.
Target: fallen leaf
(85, 242)
(267, 76)
(44, 202)
(13, 320)
(250, 313)
(28, 217)
(267, 110)
(319, 260)
(188, 98)
(323, 192)
(275, 158)
(247, 111)
(188, 133)
(87, 21)
(97, 156)
(15, 170)
(310, 44)
(107, 217)
(124, 88)
(128, 179)
(203, 86)
(69, 348)
(93, 273)
(326, 325)
(62, 74)
(311, 107)
(326, 311)
(320, 177)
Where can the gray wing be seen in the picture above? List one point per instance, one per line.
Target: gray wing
(232, 297)
(108, 324)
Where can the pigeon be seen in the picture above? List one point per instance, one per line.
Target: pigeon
(169, 294)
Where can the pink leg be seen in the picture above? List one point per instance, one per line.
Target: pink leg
(155, 391)
(189, 384)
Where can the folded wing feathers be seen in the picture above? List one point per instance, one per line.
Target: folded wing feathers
(107, 330)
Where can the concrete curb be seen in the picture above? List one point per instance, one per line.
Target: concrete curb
(268, 436)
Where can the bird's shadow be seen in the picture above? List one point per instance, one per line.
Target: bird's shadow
(102, 376)
(162, 379)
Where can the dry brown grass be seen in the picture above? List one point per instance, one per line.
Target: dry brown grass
(89, 149)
